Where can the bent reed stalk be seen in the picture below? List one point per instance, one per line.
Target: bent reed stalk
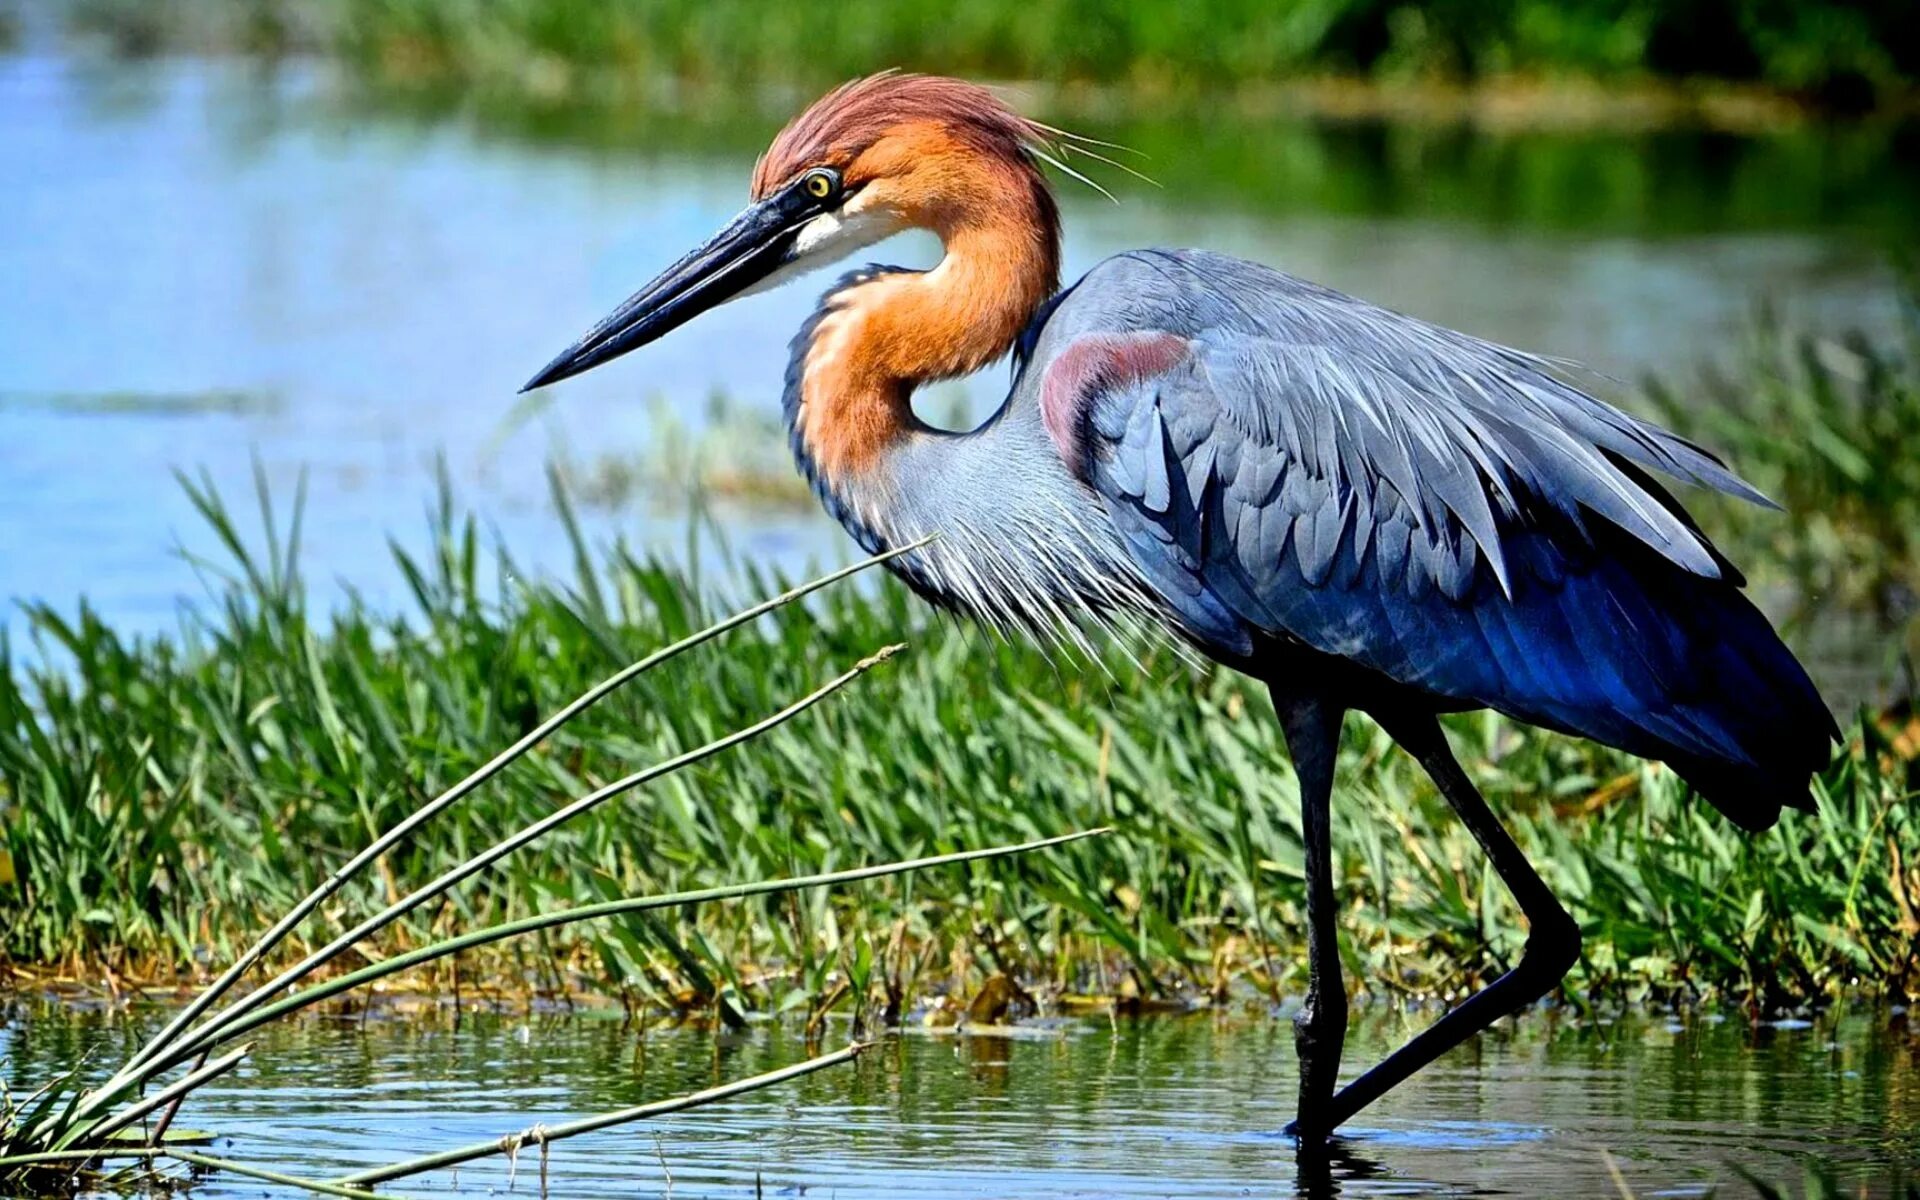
(458, 791)
(49, 1133)
(544, 1135)
(186, 1044)
(356, 1186)
(307, 997)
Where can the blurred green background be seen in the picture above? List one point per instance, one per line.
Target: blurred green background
(1849, 56)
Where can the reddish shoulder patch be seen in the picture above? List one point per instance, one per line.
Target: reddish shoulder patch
(1090, 365)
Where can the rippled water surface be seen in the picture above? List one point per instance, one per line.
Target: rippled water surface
(1184, 1107)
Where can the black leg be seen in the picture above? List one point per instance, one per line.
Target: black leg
(1553, 940)
(1312, 728)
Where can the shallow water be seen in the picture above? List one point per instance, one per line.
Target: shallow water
(1080, 1108)
(210, 262)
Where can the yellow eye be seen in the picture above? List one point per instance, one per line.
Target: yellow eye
(819, 185)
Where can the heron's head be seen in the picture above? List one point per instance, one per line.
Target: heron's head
(867, 160)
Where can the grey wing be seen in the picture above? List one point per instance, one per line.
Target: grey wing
(1376, 405)
(1441, 510)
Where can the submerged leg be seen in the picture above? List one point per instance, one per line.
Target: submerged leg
(1312, 728)
(1553, 940)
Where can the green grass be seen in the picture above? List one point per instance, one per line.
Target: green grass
(75, 1129)
(165, 797)
(1822, 425)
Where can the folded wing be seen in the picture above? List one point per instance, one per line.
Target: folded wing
(1451, 514)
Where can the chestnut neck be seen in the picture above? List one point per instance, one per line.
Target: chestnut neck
(882, 333)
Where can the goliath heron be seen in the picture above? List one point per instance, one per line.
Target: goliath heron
(1361, 510)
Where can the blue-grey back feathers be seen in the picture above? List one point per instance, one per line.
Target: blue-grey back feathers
(1451, 514)
(1315, 472)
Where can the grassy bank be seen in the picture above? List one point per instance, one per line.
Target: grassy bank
(163, 798)
(1835, 56)
(1820, 424)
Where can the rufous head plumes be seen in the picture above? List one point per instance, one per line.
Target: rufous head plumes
(848, 120)
(936, 152)
(923, 152)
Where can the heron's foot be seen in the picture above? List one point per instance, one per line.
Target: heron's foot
(1323, 1165)
(1307, 1135)
(1319, 1036)
(1550, 953)
(1317, 1145)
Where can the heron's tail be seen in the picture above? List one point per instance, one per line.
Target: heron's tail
(1741, 721)
(1765, 711)
(1750, 797)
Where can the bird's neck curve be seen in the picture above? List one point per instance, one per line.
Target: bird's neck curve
(881, 333)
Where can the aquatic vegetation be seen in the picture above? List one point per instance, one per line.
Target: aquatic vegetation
(74, 1124)
(165, 796)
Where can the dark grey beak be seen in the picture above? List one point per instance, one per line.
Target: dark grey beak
(751, 247)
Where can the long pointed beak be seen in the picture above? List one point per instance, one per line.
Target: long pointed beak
(750, 248)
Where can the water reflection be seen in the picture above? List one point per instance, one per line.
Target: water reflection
(1148, 1107)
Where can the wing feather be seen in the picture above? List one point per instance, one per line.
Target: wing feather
(1452, 514)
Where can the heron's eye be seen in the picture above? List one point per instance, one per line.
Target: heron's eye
(820, 183)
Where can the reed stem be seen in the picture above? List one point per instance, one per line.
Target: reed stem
(542, 1135)
(499, 762)
(480, 937)
(185, 1044)
(173, 1092)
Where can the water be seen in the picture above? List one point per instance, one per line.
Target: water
(212, 264)
(1155, 1107)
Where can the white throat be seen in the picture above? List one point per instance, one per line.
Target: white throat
(832, 236)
